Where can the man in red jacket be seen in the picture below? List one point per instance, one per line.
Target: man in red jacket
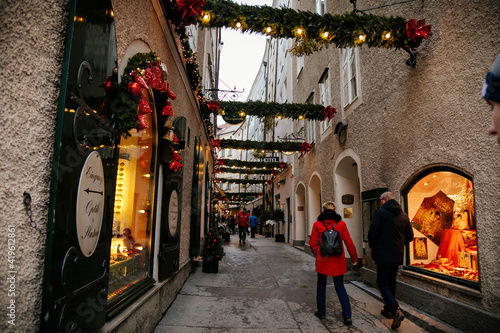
(332, 265)
(243, 220)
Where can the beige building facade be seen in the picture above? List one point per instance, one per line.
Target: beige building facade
(67, 279)
(420, 132)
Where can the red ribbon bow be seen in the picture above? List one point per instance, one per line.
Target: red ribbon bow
(215, 143)
(418, 30)
(282, 165)
(190, 7)
(216, 180)
(274, 172)
(175, 165)
(329, 112)
(220, 162)
(305, 147)
(214, 107)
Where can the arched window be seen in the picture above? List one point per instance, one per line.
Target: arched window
(440, 206)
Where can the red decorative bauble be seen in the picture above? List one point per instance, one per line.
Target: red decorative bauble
(108, 86)
(134, 88)
(141, 82)
(142, 123)
(167, 110)
(144, 106)
(171, 94)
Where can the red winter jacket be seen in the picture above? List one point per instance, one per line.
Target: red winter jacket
(331, 265)
(243, 219)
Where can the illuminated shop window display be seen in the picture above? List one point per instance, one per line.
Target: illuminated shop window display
(131, 242)
(441, 211)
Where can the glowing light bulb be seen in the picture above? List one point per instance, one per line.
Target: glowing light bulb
(268, 30)
(299, 31)
(388, 35)
(206, 17)
(301, 117)
(361, 38)
(325, 34)
(238, 25)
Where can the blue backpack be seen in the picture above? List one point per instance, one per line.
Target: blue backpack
(331, 242)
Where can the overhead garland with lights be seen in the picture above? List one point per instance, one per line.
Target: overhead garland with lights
(312, 31)
(239, 181)
(284, 146)
(244, 171)
(250, 164)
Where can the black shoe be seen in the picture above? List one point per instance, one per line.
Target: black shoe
(244, 242)
(348, 321)
(319, 316)
(398, 318)
(386, 314)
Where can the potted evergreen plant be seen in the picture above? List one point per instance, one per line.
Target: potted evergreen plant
(213, 251)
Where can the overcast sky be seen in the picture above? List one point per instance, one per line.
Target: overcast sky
(241, 56)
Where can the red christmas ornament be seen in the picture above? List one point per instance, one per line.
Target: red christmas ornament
(167, 110)
(190, 7)
(171, 94)
(329, 112)
(418, 30)
(141, 82)
(142, 123)
(134, 88)
(176, 139)
(108, 86)
(144, 106)
(175, 165)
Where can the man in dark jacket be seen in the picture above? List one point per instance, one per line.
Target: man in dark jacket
(390, 230)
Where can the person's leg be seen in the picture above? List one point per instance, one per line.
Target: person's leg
(321, 294)
(383, 282)
(240, 233)
(342, 294)
(244, 233)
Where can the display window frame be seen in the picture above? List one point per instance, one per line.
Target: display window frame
(119, 302)
(424, 271)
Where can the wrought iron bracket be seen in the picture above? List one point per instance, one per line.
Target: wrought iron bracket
(412, 62)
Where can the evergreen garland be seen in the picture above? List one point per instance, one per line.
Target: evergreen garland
(273, 109)
(245, 171)
(241, 181)
(285, 146)
(212, 245)
(251, 164)
(342, 30)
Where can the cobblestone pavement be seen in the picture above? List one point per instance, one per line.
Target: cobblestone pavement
(268, 286)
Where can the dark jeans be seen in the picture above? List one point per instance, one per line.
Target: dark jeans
(341, 293)
(386, 282)
(253, 231)
(242, 232)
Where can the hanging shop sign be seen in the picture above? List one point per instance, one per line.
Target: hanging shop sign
(173, 213)
(90, 204)
(233, 118)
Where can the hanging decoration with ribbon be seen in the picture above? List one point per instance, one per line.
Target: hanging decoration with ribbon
(417, 30)
(329, 112)
(305, 147)
(190, 7)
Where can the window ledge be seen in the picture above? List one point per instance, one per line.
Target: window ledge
(442, 283)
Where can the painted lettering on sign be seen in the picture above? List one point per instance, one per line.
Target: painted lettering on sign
(90, 204)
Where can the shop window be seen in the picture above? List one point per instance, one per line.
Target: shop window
(134, 194)
(441, 210)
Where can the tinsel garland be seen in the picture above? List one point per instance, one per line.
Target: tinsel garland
(284, 146)
(241, 181)
(244, 171)
(315, 30)
(251, 164)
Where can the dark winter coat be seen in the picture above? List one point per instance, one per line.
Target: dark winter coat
(390, 230)
(331, 265)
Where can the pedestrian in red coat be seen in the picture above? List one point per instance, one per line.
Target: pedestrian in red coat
(332, 265)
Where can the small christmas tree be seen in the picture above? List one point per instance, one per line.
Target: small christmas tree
(212, 246)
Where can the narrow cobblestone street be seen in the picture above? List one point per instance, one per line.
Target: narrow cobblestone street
(267, 286)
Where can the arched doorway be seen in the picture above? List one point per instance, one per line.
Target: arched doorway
(347, 196)
(314, 201)
(300, 229)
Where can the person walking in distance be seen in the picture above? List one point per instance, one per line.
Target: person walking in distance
(253, 225)
(390, 230)
(242, 220)
(332, 265)
(491, 93)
